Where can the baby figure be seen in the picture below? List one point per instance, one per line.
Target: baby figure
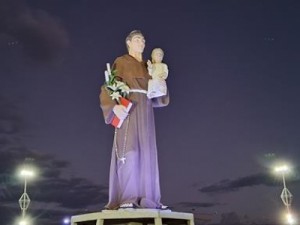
(159, 72)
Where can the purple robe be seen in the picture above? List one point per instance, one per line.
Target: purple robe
(136, 181)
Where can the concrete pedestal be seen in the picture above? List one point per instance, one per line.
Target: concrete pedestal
(134, 217)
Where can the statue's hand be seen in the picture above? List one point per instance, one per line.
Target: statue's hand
(120, 111)
(149, 63)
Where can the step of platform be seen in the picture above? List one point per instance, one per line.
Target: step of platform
(134, 217)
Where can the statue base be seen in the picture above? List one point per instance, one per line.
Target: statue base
(134, 216)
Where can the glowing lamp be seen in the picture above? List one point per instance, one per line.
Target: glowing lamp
(66, 220)
(23, 222)
(282, 169)
(27, 173)
(290, 218)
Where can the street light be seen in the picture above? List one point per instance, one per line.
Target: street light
(282, 169)
(66, 220)
(23, 222)
(24, 201)
(290, 219)
(286, 196)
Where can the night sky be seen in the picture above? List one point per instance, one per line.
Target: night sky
(234, 78)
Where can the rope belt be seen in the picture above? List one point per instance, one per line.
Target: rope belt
(138, 90)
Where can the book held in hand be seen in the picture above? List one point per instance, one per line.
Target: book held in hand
(117, 122)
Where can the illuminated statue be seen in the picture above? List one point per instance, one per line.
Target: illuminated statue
(159, 72)
(134, 175)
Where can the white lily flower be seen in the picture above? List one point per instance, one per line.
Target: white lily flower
(115, 95)
(113, 87)
(119, 84)
(125, 88)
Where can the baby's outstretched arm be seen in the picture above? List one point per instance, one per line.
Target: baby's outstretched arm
(150, 67)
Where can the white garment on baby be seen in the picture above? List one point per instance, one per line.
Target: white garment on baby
(156, 88)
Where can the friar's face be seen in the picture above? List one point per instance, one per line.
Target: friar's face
(136, 44)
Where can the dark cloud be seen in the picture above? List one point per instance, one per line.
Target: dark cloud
(3, 141)
(69, 195)
(50, 186)
(74, 193)
(41, 35)
(10, 214)
(234, 185)
(10, 121)
(11, 125)
(52, 216)
(198, 204)
(242, 182)
(231, 218)
(62, 195)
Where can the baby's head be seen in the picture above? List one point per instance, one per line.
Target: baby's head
(157, 55)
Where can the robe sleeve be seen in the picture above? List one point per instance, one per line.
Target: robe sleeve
(161, 101)
(118, 68)
(106, 104)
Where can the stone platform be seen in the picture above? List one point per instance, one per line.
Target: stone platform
(134, 216)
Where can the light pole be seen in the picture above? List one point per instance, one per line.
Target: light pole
(24, 201)
(286, 196)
